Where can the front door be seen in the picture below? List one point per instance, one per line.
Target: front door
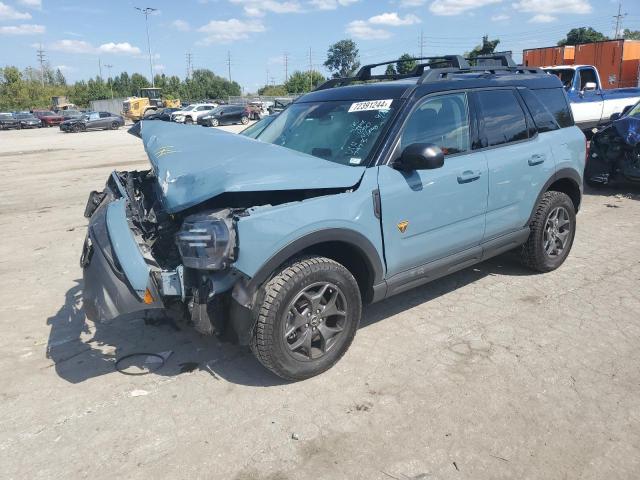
(431, 214)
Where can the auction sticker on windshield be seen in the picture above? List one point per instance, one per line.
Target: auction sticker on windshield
(370, 105)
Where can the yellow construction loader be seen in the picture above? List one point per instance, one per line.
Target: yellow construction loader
(149, 101)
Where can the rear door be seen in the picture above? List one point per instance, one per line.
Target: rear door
(105, 120)
(519, 161)
(431, 214)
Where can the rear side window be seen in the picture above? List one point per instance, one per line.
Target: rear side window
(502, 119)
(105, 114)
(555, 101)
(545, 122)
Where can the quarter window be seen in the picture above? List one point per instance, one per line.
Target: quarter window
(442, 121)
(556, 102)
(501, 117)
(545, 122)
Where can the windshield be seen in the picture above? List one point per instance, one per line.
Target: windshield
(339, 131)
(47, 114)
(256, 129)
(24, 116)
(635, 111)
(6, 116)
(189, 108)
(565, 75)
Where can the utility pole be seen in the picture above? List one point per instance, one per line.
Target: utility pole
(310, 71)
(146, 11)
(286, 67)
(421, 43)
(189, 57)
(619, 18)
(41, 59)
(99, 69)
(109, 67)
(229, 63)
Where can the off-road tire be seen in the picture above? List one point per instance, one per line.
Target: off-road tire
(533, 254)
(268, 342)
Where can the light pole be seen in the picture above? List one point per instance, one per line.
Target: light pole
(108, 66)
(146, 12)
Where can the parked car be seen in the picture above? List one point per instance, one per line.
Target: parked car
(278, 105)
(48, 118)
(8, 121)
(191, 114)
(225, 115)
(163, 114)
(591, 105)
(93, 121)
(27, 120)
(614, 151)
(353, 194)
(253, 131)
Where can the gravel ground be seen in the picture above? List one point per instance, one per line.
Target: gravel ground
(489, 373)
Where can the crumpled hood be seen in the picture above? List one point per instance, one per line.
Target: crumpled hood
(194, 164)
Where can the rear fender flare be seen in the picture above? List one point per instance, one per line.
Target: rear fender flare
(565, 173)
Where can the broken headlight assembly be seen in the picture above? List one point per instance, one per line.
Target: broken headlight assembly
(207, 241)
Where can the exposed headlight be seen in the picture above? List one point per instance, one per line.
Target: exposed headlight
(206, 241)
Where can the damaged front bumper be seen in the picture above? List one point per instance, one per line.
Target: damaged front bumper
(117, 278)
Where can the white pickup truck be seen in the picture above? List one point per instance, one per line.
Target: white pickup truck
(592, 105)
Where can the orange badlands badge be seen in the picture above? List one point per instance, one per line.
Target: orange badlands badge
(402, 226)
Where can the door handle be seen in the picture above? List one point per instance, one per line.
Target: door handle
(469, 176)
(536, 159)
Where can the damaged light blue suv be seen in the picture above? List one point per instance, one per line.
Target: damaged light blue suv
(362, 189)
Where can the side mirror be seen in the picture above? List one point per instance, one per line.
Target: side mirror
(420, 156)
(615, 117)
(590, 86)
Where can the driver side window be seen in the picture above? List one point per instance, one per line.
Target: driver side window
(442, 121)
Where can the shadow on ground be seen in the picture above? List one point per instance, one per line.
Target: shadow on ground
(82, 350)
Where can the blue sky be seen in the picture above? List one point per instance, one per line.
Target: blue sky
(258, 33)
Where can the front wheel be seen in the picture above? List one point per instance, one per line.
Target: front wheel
(115, 125)
(553, 229)
(188, 121)
(308, 314)
(244, 120)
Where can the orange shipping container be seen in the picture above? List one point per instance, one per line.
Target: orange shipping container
(617, 61)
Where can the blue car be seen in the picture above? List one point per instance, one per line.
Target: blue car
(365, 188)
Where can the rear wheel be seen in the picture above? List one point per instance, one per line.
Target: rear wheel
(115, 125)
(308, 314)
(553, 229)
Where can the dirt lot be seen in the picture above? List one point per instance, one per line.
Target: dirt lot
(490, 373)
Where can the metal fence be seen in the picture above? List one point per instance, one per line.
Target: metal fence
(112, 105)
(262, 98)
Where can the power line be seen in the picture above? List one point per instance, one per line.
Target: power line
(40, 53)
(619, 18)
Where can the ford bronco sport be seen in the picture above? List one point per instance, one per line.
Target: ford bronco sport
(362, 189)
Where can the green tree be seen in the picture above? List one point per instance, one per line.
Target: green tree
(582, 35)
(631, 34)
(59, 78)
(390, 70)
(301, 82)
(487, 47)
(343, 58)
(273, 90)
(137, 82)
(405, 64)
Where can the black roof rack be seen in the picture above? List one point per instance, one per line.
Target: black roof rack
(438, 68)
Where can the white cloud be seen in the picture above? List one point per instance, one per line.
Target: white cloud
(412, 3)
(500, 17)
(181, 25)
(81, 46)
(121, 48)
(331, 4)
(25, 29)
(392, 19)
(546, 7)
(159, 67)
(7, 12)
(542, 18)
(37, 4)
(456, 7)
(64, 68)
(361, 30)
(257, 8)
(225, 31)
